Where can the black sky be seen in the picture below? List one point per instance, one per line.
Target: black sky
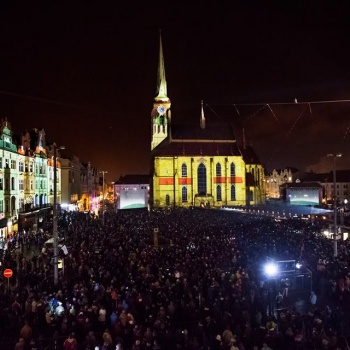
(91, 70)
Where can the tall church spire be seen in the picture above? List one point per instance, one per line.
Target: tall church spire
(202, 122)
(161, 114)
(161, 81)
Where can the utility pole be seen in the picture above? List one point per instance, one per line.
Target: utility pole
(103, 172)
(55, 230)
(335, 242)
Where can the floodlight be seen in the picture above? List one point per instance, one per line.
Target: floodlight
(298, 265)
(271, 269)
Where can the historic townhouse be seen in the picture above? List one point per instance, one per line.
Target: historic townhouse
(8, 179)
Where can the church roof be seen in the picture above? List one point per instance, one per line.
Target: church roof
(195, 132)
(197, 148)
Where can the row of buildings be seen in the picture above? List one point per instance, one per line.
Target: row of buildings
(278, 181)
(27, 166)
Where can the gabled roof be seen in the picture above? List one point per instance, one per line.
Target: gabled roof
(341, 176)
(249, 155)
(133, 179)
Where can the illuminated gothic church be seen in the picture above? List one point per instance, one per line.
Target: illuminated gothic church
(200, 165)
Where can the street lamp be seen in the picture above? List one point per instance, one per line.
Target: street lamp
(54, 220)
(335, 156)
(103, 172)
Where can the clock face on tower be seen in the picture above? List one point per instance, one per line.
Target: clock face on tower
(161, 109)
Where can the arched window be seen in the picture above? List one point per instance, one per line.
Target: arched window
(233, 192)
(233, 170)
(202, 179)
(218, 169)
(218, 193)
(184, 194)
(184, 170)
(12, 183)
(167, 200)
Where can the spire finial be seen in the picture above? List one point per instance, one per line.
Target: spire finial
(161, 81)
(202, 121)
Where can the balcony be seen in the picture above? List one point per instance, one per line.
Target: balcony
(28, 208)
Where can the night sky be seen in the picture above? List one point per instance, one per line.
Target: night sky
(87, 75)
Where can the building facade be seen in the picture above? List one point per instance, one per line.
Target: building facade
(342, 190)
(26, 178)
(275, 180)
(199, 165)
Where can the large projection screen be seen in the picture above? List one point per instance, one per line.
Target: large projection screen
(133, 198)
(304, 196)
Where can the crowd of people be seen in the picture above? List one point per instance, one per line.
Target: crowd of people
(201, 286)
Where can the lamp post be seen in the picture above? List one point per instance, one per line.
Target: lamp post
(54, 221)
(335, 156)
(103, 172)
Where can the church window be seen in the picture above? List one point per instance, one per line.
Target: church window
(202, 179)
(184, 194)
(218, 193)
(233, 170)
(167, 200)
(218, 169)
(233, 192)
(184, 170)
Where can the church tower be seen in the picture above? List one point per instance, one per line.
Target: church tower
(161, 114)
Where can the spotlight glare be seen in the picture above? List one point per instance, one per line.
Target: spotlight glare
(298, 265)
(271, 269)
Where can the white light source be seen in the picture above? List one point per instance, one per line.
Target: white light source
(271, 269)
(298, 265)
